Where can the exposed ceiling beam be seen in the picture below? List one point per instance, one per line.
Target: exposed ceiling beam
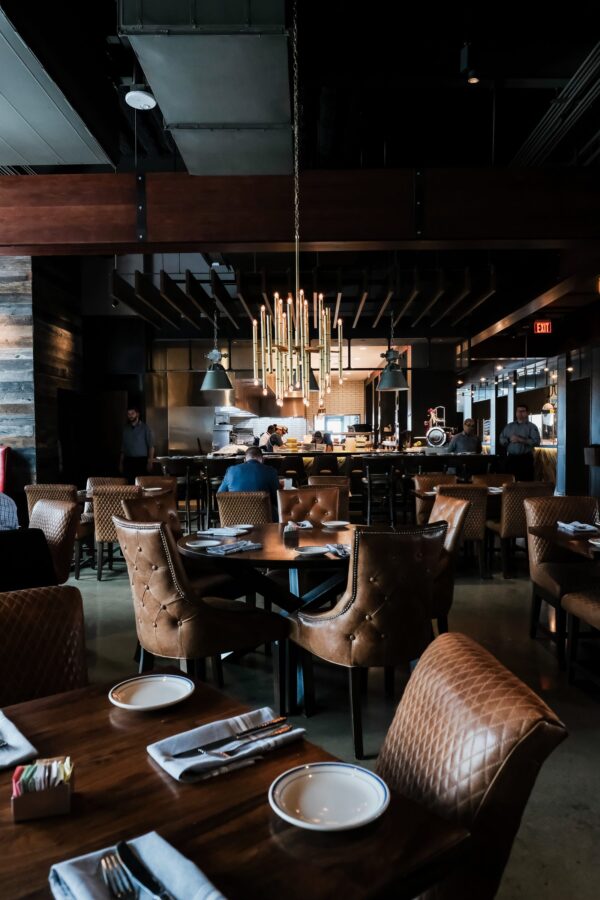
(437, 295)
(199, 297)
(124, 293)
(148, 293)
(415, 291)
(338, 301)
(172, 293)
(481, 299)
(462, 295)
(361, 303)
(222, 297)
(383, 308)
(265, 293)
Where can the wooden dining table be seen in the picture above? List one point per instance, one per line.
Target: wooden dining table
(279, 550)
(225, 824)
(576, 543)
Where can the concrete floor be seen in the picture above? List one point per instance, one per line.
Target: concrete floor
(555, 854)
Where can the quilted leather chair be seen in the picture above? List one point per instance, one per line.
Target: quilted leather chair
(554, 572)
(239, 507)
(512, 524)
(454, 513)
(166, 482)
(43, 643)
(153, 508)
(342, 483)
(58, 519)
(474, 526)
(424, 505)
(382, 619)
(35, 492)
(107, 503)
(580, 606)
(317, 504)
(493, 479)
(467, 741)
(93, 482)
(180, 619)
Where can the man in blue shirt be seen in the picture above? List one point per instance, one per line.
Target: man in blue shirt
(519, 438)
(253, 475)
(8, 513)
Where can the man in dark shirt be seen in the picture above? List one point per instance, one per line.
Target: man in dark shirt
(467, 441)
(137, 448)
(252, 475)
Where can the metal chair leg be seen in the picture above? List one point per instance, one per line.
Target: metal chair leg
(279, 675)
(100, 555)
(536, 608)
(217, 670)
(146, 661)
(355, 710)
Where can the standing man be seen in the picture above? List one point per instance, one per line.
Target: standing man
(252, 475)
(137, 448)
(8, 513)
(519, 438)
(264, 440)
(467, 441)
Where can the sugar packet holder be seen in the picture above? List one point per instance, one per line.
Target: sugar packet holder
(49, 801)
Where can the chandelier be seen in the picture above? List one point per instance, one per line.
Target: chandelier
(284, 360)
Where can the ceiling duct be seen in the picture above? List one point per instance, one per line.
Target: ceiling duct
(220, 75)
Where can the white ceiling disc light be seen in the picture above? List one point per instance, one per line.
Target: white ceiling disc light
(139, 97)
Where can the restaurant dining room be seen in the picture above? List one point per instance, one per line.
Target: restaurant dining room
(299, 451)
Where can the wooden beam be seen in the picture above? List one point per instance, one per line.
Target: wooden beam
(438, 293)
(361, 304)
(338, 300)
(148, 293)
(383, 308)
(221, 295)
(462, 295)
(172, 293)
(124, 293)
(416, 290)
(481, 299)
(199, 297)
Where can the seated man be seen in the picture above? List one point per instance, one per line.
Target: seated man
(467, 440)
(8, 513)
(253, 475)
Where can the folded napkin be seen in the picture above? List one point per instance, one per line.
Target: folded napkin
(577, 526)
(197, 768)
(341, 550)
(80, 878)
(236, 547)
(231, 531)
(18, 748)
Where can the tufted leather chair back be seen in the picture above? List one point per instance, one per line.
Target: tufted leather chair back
(549, 511)
(240, 507)
(474, 527)
(432, 479)
(382, 619)
(154, 509)
(167, 482)
(467, 741)
(317, 504)
(58, 519)
(454, 512)
(43, 641)
(342, 482)
(512, 516)
(493, 479)
(107, 503)
(92, 483)
(35, 492)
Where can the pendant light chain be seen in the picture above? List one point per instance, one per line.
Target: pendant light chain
(296, 145)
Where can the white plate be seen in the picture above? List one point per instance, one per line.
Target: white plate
(312, 551)
(594, 541)
(335, 524)
(245, 527)
(149, 692)
(153, 489)
(329, 796)
(196, 544)
(230, 531)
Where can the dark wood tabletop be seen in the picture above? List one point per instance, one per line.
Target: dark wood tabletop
(279, 549)
(225, 825)
(579, 544)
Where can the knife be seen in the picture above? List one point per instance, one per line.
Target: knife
(140, 872)
(221, 742)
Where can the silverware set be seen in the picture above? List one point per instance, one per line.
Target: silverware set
(116, 878)
(267, 729)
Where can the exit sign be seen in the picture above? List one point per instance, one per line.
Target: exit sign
(542, 326)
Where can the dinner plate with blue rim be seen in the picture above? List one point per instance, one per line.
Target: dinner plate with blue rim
(329, 796)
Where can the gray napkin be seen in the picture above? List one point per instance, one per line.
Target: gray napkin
(18, 750)
(80, 878)
(236, 547)
(341, 550)
(196, 768)
(577, 526)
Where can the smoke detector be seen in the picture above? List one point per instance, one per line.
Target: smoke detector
(139, 96)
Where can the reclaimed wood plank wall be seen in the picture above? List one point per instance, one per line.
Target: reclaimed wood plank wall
(58, 364)
(17, 399)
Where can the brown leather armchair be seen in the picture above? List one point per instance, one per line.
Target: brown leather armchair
(467, 741)
(474, 526)
(580, 606)
(453, 512)
(107, 503)
(383, 617)
(512, 524)
(317, 504)
(45, 650)
(554, 572)
(342, 483)
(245, 507)
(35, 492)
(166, 482)
(423, 505)
(492, 479)
(154, 509)
(58, 519)
(179, 619)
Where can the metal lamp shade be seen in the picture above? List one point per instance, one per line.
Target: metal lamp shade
(216, 379)
(392, 379)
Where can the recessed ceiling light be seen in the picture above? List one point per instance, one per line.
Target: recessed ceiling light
(140, 98)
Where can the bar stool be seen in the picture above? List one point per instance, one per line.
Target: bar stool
(379, 491)
(190, 478)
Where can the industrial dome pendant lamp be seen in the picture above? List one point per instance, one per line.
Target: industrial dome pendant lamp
(216, 378)
(392, 377)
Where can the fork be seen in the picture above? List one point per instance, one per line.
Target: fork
(116, 878)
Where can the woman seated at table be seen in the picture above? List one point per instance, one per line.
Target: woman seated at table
(252, 475)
